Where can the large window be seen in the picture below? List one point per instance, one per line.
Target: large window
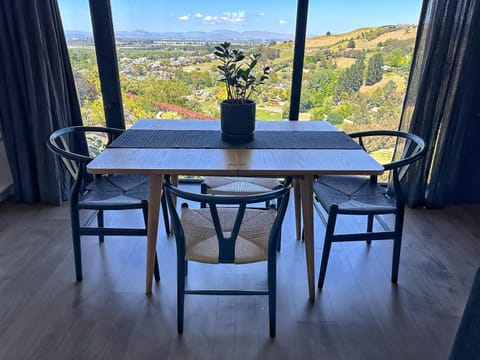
(356, 68)
(78, 31)
(356, 63)
(167, 69)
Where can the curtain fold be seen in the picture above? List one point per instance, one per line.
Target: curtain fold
(37, 96)
(435, 106)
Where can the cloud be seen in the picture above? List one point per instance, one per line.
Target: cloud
(183, 18)
(209, 19)
(261, 14)
(283, 22)
(198, 15)
(226, 18)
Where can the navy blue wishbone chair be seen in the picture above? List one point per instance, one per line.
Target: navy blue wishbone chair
(227, 231)
(336, 195)
(77, 146)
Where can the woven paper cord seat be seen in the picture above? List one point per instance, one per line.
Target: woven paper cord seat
(227, 232)
(238, 185)
(202, 243)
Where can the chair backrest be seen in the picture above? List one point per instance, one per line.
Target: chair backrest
(78, 145)
(226, 246)
(410, 148)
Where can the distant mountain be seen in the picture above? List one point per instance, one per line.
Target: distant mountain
(73, 34)
(191, 35)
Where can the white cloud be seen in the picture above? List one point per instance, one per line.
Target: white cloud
(209, 19)
(183, 18)
(225, 18)
(283, 22)
(198, 15)
(261, 14)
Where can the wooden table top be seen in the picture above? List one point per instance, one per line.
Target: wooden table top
(234, 162)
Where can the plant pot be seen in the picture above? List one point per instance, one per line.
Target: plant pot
(237, 121)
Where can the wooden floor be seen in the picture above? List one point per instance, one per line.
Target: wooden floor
(45, 314)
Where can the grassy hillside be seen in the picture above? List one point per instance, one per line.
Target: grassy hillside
(327, 59)
(365, 38)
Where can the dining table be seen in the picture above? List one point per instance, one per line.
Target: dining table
(299, 149)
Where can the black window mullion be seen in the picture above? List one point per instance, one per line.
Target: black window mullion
(298, 55)
(104, 37)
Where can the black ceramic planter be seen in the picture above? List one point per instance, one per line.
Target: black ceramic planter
(237, 121)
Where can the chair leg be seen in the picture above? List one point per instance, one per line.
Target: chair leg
(180, 293)
(77, 252)
(397, 244)
(166, 219)
(156, 271)
(101, 224)
(203, 190)
(329, 231)
(370, 226)
(298, 209)
(272, 296)
(277, 206)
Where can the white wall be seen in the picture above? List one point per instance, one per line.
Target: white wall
(5, 174)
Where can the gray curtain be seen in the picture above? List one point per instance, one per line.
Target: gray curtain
(441, 104)
(37, 96)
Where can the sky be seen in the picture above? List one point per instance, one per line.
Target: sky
(335, 16)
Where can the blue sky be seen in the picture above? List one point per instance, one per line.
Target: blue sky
(336, 16)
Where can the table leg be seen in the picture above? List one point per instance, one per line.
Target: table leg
(307, 208)
(298, 210)
(155, 194)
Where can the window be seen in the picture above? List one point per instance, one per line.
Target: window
(356, 67)
(168, 69)
(78, 32)
(356, 62)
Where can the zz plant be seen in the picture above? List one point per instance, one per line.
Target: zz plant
(237, 72)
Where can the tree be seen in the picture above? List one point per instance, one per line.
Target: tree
(322, 81)
(328, 33)
(85, 90)
(357, 74)
(374, 70)
(335, 118)
(93, 113)
(351, 80)
(351, 44)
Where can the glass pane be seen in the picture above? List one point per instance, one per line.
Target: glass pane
(166, 62)
(78, 32)
(357, 62)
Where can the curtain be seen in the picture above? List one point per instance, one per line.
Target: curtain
(440, 102)
(37, 96)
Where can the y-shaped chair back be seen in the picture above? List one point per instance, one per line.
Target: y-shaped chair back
(227, 231)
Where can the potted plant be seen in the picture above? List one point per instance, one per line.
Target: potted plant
(237, 112)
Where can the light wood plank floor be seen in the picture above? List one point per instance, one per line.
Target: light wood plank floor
(45, 314)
